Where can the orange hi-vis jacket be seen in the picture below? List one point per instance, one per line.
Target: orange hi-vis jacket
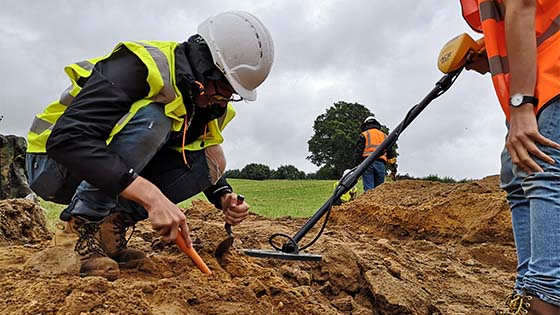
(374, 137)
(490, 20)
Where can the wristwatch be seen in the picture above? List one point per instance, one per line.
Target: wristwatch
(519, 99)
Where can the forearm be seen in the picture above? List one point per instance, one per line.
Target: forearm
(166, 217)
(143, 192)
(521, 45)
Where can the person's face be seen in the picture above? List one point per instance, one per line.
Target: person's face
(218, 92)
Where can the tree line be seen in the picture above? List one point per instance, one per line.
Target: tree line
(257, 171)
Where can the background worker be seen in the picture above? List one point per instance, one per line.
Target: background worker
(522, 51)
(347, 196)
(139, 130)
(371, 137)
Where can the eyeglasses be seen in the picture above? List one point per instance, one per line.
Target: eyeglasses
(221, 98)
(228, 90)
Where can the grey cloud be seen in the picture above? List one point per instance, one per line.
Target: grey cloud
(378, 53)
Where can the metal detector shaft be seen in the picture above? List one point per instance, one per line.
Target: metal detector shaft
(349, 181)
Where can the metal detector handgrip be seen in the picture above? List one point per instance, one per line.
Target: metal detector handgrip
(347, 182)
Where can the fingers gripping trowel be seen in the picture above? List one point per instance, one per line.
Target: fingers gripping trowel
(224, 246)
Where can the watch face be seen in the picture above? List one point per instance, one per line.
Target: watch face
(516, 99)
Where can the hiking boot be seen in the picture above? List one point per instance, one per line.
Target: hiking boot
(517, 303)
(113, 234)
(65, 235)
(521, 304)
(88, 245)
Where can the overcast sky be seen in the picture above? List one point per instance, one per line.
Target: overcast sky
(381, 54)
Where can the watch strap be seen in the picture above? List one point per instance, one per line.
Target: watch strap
(524, 100)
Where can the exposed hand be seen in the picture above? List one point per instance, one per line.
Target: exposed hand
(522, 138)
(234, 213)
(166, 218)
(477, 62)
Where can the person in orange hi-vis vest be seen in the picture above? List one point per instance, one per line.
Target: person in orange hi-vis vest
(522, 53)
(369, 139)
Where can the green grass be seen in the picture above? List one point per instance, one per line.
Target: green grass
(278, 198)
(53, 210)
(270, 198)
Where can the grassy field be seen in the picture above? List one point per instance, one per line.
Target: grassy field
(270, 198)
(277, 198)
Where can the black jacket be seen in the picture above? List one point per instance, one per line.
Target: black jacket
(78, 139)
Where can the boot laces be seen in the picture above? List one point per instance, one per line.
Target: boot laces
(89, 240)
(518, 304)
(121, 228)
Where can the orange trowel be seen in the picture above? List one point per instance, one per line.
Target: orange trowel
(224, 246)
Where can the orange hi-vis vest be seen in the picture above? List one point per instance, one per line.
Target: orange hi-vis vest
(491, 22)
(374, 137)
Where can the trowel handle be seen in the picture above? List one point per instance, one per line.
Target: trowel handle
(240, 199)
(227, 226)
(191, 252)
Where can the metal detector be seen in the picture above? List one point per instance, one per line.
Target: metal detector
(291, 250)
(455, 54)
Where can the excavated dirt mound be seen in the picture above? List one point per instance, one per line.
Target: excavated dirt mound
(409, 247)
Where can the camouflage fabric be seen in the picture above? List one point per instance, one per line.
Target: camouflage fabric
(13, 179)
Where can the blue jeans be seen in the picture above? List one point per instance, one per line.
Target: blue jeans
(141, 145)
(374, 175)
(534, 200)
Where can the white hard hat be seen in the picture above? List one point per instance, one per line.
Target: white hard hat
(241, 48)
(369, 118)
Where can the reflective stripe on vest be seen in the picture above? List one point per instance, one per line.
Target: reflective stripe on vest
(373, 137)
(492, 13)
(157, 56)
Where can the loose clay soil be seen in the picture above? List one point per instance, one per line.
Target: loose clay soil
(408, 247)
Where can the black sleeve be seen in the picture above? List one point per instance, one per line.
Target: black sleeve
(359, 150)
(213, 193)
(78, 139)
(391, 153)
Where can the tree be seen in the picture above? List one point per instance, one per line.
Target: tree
(288, 172)
(336, 133)
(256, 171)
(235, 173)
(325, 172)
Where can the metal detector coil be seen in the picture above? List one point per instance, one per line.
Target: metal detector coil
(276, 254)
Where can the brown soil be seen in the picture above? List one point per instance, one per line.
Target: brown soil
(408, 247)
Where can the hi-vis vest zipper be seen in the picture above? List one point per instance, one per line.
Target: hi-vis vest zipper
(490, 20)
(374, 137)
(159, 59)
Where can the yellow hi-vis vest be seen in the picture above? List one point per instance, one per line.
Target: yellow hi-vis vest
(159, 59)
(348, 195)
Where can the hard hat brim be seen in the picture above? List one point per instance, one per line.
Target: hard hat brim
(249, 95)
